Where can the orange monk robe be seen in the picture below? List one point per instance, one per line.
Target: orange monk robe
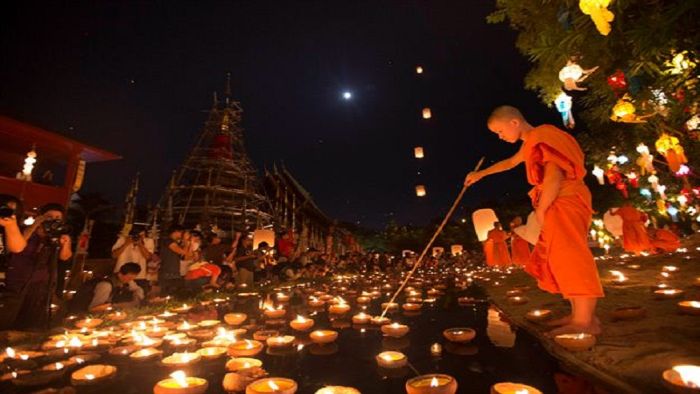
(519, 250)
(666, 240)
(488, 252)
(501, 256)
(634, 234)
(561, 260)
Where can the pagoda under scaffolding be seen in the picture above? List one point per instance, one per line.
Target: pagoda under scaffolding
(217, 184)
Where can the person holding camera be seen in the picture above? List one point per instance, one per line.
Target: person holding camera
(11, 239)
(134, 248)
(31, 273)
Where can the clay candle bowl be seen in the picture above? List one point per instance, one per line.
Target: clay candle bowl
(337, 390)
(212, 353)
(281, 297)
(380, 321)
(689, 307)
(432, 384)
(361, 318)
(411, 307)
(88, 323)
(262, 335)
(315, 302)
(208, 323)
(116, 316)
(280, 341)
(185, 326)
(323, 337)
(244, 348)
(240, 363)
(391, 360)
(181, 360)
(436, 350)
(179, 383)
(459, 334)
(464, 301)
(182, 309)
(235, 319)
(514, 293)
(363, 300)
(575, 342)
(275, 313)
(538, 315)
(272, 385)
(390, 306)
(92, 374)
(629, 313)
(518, 300)
(395, 330)
(340, 308)
(683, 379)
(513, 388)
(146, 354)
(301, 323)
(668, 294)
(182, 343)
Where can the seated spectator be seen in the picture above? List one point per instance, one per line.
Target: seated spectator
(118, 290)
(204, 269)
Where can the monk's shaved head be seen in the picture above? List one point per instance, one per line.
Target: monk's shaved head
(505, 113)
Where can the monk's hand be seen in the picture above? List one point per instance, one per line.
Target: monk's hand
(472, 178)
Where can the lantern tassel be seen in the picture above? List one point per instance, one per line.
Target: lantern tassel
(430, 243)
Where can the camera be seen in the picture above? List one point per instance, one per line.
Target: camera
(54, 228)
(6, 211)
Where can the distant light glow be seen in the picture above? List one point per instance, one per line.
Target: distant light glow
(347, 95)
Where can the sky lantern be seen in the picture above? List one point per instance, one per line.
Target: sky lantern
(263, 236)
(418, 152)
(672, 150)
(456, 250)
(427, 113)
(483, 220)
(420, 190)
(419, 69)
(599, 13)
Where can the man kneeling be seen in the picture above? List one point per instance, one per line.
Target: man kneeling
(118, 290)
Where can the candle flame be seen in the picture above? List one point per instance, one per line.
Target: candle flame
(523, 391)
(79, 360)
(75, 342)
(619, 276)
(434, 382)
(89, 376)
(272, 385)
(10, 352)
(695, 304)
(58, 366)
(180, 377)
(301, 319)
(690, 375)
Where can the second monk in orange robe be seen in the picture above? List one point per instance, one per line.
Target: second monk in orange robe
(500, 256)
(561, 261)
(519, 248)
(634, 233)
(664, 240)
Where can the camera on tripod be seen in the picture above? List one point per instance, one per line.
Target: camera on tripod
(54, 228)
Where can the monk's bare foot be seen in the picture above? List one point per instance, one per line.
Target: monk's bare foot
(562, 321)
(593, 329)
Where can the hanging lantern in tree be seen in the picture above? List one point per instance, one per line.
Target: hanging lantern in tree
(427, 113)
(621, 186)
(572, 74)
(661, 189)
(693, 123)
(483, 220)
(653, 181)
(624, 111)
(679, 63)
(599, 173)
(661, 206)
(420, 190)
(418, 152)
(633, 179)
(599, 13)
(672, 150)
(564, 103)
(618, 82)
(645, 160)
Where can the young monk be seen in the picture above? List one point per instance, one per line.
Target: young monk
(519, 248)
(561, 260)
(488, 252)
(500, 256)
(634, 233)
(664, 240)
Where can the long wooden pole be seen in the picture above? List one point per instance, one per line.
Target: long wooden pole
(430, 243)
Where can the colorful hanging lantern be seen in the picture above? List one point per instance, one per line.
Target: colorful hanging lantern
(624, 111)
(679, 63)
(673, 212)
(618, 82)
(693, 123)
(418, 152)
(645, 160)
(646, 193)
(572, 74)
(622, 188)
(661, 189)
(653, 181)
(599, 173)
(672, 150)
(420, 190)
(564, 104)
(599, 13)
(661, 206)
(633, 179)
(427, 113)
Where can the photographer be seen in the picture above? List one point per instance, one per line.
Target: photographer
(11, 239)
(31, 273)
(134, 248)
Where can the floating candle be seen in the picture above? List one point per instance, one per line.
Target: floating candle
(411, 307)
(513, 388)
(690, 307)
(667, 294)
(146, 354)
(538, 315)
(390, 306)
(340, 308)
(337, 390)
(459, 335)
(395, 330)
(245, 348)
(364, 300)
(275, 313)
(361, 318)
(380, 321)
(272, 385)
(235, 319)
(432, 384)
(315, 302)
(301, 323)
(92, 374)
(212, 353)
(576, 342)
(239, 363)
(683, 378)
(391, 359)
(179, 360)
(88, 323)
(323, 337)
(180, 383)
(280, 341)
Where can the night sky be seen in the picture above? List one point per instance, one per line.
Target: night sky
(136, 78)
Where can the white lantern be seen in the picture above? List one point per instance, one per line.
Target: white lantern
(483, 222)
(613, 223)
(418, 152)
(420, 190)
(456, 250)
(263, 236)
(598, 172)
(530, 231)
(427, 113)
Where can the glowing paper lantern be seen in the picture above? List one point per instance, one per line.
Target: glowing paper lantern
(599, 13)
(645, 160)
(419, 70)
(679, 63)
(624, 111)
(672, 150)
(263, 236)
(456, 250)
(427, 114)
(483, 220)
(420, 190)
(572, 74)
(617, 82)
(598, 173)
(613, 223)
(531, 230)
(438, 251)
(563, 103)
(418, 152)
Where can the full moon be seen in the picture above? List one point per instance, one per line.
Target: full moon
(347, 95)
